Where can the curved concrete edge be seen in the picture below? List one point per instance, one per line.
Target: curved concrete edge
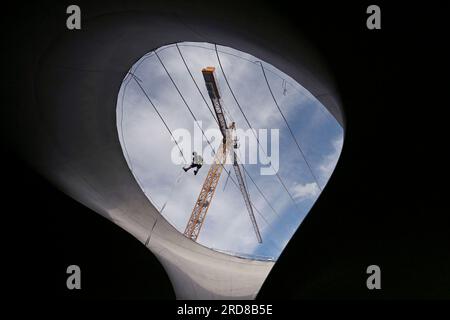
(213, 275)
(74, 142)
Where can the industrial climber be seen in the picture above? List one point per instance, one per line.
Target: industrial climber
(197, 162)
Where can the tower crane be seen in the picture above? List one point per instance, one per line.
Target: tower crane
(226, 149)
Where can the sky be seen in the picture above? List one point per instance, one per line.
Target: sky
(148, 146)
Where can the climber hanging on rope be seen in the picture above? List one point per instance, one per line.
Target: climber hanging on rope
(197, 162)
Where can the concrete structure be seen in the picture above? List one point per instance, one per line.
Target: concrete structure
(71, 136)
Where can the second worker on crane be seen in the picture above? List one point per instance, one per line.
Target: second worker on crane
(197, 163)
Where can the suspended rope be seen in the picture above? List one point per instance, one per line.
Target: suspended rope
(190, 111)
(160, 116)
(250, 126)
(290, 130)
(178, 179)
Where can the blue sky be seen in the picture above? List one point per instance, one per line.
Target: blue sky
(147, 145)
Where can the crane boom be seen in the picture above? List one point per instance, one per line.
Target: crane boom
(248, 204)
(206, 195)
(214, 94)
(203, 202)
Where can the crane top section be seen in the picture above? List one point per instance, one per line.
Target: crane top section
(214, 95)
(210, 81)
(208, 69)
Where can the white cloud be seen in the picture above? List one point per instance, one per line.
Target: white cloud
(327, 166)
(304, 191)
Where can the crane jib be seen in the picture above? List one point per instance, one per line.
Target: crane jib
(206, 195)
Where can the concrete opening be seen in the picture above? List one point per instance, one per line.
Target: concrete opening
(287, 142)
